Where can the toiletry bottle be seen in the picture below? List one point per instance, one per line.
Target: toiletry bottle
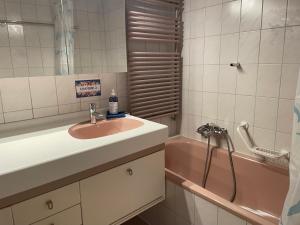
(113, 103)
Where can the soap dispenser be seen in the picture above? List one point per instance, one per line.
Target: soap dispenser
(113, 103)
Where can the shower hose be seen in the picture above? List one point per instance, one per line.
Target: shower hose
(230, 148)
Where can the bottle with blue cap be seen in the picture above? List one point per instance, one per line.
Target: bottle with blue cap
(113, 103)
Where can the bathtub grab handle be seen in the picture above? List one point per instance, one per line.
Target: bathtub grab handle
(262, 152)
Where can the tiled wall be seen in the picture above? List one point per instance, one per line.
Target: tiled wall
(28, 98)
(264, 36)
(100, 40)
(184, 208)
(28, 50)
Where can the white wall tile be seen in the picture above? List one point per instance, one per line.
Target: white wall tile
(197, 4)
(289, 79)
(274, 13)
(185, 101)
(210, 105)
(283, 141)
(213, 2)
(197, 18)
(264, 138)
(205, 212)
(29, 12)
(44, 112)
(69, 108)
(43, 91)
(13, 11)
(271, 46)
(4, 39)
(226, 218)
(186, 19)
(66, 90)
(19, 57)
(285, 115)
(185, 204)
(227, 79)
(196, 73)
(195, 102)
(15, 94)
(293, 12)
(16, 35)
(268, 81)
(210, 78)
(212, 50)
(5, 61)
(196, 51)
(292, 45)
(246, 79)
(231, 17)
(226, 107)
(170, 201)
(244, 109)
(18, 116)
(34, 57)
(249, 47)
(31, 35)
(185, 77)
(194, 122)
(213, 21)
(266, 112)
(229, 48)
(251, 15)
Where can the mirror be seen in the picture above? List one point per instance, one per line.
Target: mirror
(61, 37)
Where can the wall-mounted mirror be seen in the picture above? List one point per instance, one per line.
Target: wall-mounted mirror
(60, 37)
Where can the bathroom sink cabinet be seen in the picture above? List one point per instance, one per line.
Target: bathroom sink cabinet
(109, 197)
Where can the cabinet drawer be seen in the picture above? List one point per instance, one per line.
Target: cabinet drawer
(70, 216)
(6, 217)
(111, 195)
(45, 205)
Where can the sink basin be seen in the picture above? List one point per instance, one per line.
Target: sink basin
(86, 130)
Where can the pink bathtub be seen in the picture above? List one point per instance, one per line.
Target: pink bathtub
(261, 188)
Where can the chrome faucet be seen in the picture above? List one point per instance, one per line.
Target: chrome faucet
(95, 115)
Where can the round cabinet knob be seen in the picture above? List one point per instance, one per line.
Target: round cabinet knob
(50, 206)
(130, 171)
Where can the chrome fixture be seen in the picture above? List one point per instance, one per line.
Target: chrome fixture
(212, 130)
(237, 65)
(95, 115)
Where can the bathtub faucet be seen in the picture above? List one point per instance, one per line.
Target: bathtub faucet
(210, 129)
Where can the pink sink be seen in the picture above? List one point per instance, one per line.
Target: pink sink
(86, 130)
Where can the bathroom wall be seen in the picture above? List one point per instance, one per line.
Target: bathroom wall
(28, 50)
(100, 39)
(182, 207)
(264, 36)
(27, 98)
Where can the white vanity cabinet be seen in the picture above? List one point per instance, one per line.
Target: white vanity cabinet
(115, 195)
(110, 197)
(6, 217)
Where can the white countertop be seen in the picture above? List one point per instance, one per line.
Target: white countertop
(34, 159)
